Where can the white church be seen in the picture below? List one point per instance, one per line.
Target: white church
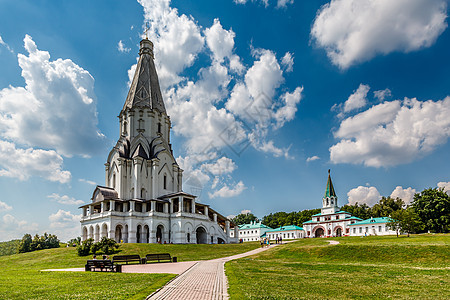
(142, 200)
(332, 222)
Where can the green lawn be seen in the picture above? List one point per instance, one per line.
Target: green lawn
(22, 278)
(357, 268)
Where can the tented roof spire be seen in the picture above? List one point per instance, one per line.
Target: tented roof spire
(329, 191)
(144, 89)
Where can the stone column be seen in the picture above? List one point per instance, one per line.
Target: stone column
(180, 204)
(121, 185)
(144, 207)
(111, 205)
(152, 205)
(137, 164)
(227, 228)
(131, 206)
(106, 174)
(155, 187)
(84, 211)
(236, 231)
(91, 208)
(166, 208)
(193, 206)
(215, 218)
(206, 211)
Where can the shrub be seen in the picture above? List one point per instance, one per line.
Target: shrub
(46, 241)
(105, 245)
(85, 247)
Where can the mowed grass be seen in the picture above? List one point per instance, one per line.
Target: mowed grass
(357, 268)
(22, 276)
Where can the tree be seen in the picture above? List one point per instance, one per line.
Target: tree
(244, 219)
(108, 245)
(405, 220)
(46, 241)
(386, 206)
(85, 247)
(433, 208)
(360, 211)
(25, 243)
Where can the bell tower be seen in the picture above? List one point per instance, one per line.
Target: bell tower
(329, 200)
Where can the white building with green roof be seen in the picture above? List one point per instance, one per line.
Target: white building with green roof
(372, 226)
(289, 232)
(251, 232)
(331, 221)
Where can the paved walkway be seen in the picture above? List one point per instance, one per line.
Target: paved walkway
(205, 280)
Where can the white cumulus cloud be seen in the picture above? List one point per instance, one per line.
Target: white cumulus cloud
(122, 48)
(4, 206)
(31, 162)
(354, 31)
(55, 109)
(13, 228)
(64, 199)
(358, 99)
(407, 195)
(363, 195)
(392, 133)
(228, 192)
(65, 224)
(312, 158)
(445, 186)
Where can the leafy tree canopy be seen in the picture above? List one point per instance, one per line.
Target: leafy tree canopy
(244, 219)
(433, 208)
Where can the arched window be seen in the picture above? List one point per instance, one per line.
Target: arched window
(188, 237)
(114, 181)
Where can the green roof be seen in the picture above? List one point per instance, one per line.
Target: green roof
(286, 228)
(253, 226)
(310, 221)
(372, 221)
(329, 191)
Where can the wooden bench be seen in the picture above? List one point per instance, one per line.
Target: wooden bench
(126, 259)
(102, 266)
(158, 257)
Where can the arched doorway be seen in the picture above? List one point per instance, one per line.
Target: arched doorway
(319, 232)
(159, 233)
(138, 234)
(339, 231)
(118, 234)
(220, 241)
(91, 232)
(201, 236)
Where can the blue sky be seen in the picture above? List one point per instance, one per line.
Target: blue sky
(264, 98)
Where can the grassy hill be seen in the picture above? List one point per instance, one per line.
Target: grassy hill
(370, 267)
(8, 248)
(22, 276)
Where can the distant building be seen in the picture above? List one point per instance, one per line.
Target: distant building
(289, 232)
(332, 222)
(372, 226)
(252, 232)
(142, 200)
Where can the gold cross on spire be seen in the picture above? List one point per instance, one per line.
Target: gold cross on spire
(146, 30)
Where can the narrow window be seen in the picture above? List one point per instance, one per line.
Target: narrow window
(165, 181)
(114, 181)
(159, 127)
